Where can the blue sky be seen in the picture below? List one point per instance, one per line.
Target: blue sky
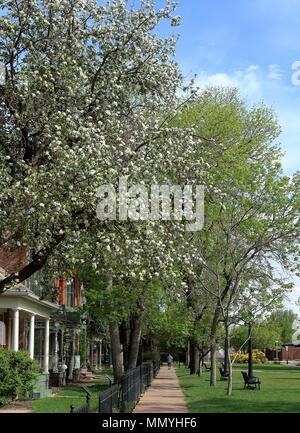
(250, 44)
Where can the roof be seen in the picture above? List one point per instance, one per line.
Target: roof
(30, 295)
(20, 290)
(295, 343)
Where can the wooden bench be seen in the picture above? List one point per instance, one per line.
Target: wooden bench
(250, 383)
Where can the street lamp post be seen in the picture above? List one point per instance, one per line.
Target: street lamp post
(276, 349)
(250, 362)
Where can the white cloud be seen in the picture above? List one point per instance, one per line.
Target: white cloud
(253, 68)
(255, 85)
(247, 81)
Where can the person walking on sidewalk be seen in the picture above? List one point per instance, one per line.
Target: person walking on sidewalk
(170, 361)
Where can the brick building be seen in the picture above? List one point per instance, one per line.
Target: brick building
(50, 331)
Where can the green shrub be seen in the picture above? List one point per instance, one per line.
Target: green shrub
(17, 374)
(4, 400)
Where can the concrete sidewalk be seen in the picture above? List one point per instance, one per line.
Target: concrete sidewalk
(163, 396)
(17, 407)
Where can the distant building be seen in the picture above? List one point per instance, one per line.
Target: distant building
(290, 351)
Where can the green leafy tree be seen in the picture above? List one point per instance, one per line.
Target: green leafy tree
(263, 336)
(282, 320)
(251, 209)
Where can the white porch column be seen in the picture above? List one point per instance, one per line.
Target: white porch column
(15, 345)
(55, 367)
(92, 352)
(31, 336)
(46, 348)
(100, 355)
(62, 353)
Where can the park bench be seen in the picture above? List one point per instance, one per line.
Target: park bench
(250, 383)
(207, 368)
(224, 374)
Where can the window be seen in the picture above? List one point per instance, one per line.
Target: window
(70, 292)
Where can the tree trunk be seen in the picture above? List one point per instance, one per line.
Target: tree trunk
(213, 347)
(226, 353)
(200, 363)
(194, 356)
(213, 370)
(228, 365)
(191, 357)
(116, 351)
(124, 340)
(187, 361)
(230, 379)
(71, 360)
(116, 347)
(135, 338)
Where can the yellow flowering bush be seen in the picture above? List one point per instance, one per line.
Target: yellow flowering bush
(258, 357)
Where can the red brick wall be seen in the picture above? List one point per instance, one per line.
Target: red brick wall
(13, 258)
(290, 354)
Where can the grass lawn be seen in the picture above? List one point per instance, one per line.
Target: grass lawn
(62, 400)
(279, 393)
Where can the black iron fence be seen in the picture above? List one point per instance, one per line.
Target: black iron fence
(131, 388)
(109, 400)
(85, 408)
(156, 367)
(125, 397)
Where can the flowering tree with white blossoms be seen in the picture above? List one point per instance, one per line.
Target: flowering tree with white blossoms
(88, 95)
